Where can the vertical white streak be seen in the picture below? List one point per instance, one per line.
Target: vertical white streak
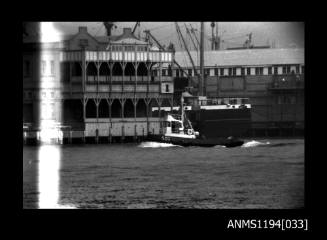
(49, 155)
(49, 166)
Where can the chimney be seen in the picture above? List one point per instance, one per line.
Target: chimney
(82, 29)
(127, 31)
(108, 26)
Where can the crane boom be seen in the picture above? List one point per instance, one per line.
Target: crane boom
(193, 32)
(162, 48)
(185, 46)
(189, 33)
(137, 24)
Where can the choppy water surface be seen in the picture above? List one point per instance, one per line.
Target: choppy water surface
(266, 173)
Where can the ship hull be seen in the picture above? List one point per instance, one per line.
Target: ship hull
(221, 122)
(186, 142)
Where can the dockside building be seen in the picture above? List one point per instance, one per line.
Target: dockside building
(106, 86)
(100, 87)
(272, 79)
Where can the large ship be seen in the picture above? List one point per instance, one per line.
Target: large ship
(215, 117)
(212, 117)
(178, 129)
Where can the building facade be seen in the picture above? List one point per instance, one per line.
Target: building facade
(97, 87)
(106, 86)
(272, 79)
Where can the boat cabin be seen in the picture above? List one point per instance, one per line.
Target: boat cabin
(173, 126)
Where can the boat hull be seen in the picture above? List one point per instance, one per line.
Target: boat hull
(227, 142)
(221, 123)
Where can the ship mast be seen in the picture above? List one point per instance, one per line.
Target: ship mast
(201, 80)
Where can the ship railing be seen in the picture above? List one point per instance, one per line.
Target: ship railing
(225, 101)
(176, 116)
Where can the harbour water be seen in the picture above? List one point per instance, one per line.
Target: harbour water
(262, 174)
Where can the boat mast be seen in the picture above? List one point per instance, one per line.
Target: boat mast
(182, 108)
(201, 80)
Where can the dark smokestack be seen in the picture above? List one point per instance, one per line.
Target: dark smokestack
(108, 26)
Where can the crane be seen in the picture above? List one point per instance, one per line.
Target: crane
(185, 46)
(148, 35)
(193, 32)
(136, 25)
(189, 33)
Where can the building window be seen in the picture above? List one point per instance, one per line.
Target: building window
(52, 94)
(177, 73)
(43, 67)
(269, 70)
(297, 69)
(242, 71)
(288, 69)
(129, 48)
(248, 71)
(258, 70)
(167, 87)
(206, 72)
(234, 71)
(216, 71)
(230, 71)
(169, 71)
(141, 48)
(190, 72)
(221, 72)
(302, 69)
(284, 70)
(52, 67)
(27, 69)
(276, 70)
(163, 72)
(117, 48)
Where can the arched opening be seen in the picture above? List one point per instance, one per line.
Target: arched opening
(142, 72)
(91, 72)
(129, 109)
(76, 69)
(91, 69)
(104, 69)
(141, 108)
(117, 69)
(65, 72)
(104, 72)
(129, 69)
(103, 109)
(153, 104)
(165, 104)
(90, 109)
(116, 109)
(72, 111)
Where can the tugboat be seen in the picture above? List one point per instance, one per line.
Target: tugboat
(178, 130)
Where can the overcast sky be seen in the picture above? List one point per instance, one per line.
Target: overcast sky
(233, 34)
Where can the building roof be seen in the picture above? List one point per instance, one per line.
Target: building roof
(129, 41)
(100, 39)
(247, 57)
